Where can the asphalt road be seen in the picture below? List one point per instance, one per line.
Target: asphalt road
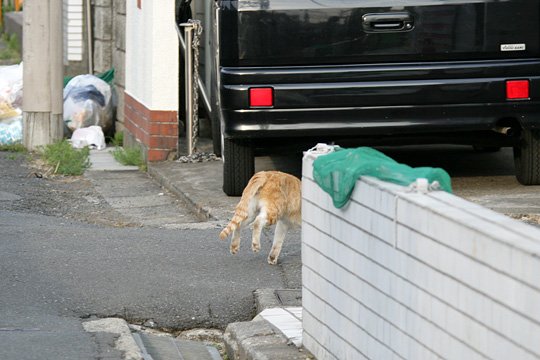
(177, 278)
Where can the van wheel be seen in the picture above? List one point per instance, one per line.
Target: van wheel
(527, 157)
(238, 165)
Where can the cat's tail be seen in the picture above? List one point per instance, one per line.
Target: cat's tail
(242, 209)
(233, 225)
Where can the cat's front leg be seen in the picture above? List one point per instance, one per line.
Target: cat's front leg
(279, 236)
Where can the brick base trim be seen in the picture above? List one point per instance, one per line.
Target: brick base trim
(156, 130)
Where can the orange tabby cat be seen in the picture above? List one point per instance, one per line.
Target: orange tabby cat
(270, 197)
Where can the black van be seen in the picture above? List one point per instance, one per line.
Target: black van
(376, 72)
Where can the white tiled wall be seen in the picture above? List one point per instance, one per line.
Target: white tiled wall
(396, 274)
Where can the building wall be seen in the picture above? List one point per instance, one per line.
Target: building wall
(152, 45)
(151, 77)
(396, 274)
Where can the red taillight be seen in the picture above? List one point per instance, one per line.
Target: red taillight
(261, 97)
(517, 89)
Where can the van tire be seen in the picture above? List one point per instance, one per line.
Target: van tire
(238, 165)
(527, 157)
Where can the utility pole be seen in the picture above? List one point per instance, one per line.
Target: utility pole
(42, 72)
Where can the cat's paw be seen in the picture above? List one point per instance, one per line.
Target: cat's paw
(272, 260)
(255, 247)
(234, 250)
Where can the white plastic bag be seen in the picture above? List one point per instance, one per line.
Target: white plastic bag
(88, 102)
(11, 88)
(91, 136)
(11, 130)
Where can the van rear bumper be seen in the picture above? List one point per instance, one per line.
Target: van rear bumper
(383, 99)
(373, 121)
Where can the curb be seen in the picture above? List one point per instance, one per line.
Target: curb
(125, 343)
(257, 340)
(270, 298)
(202, 212)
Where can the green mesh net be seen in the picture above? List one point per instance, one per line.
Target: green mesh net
(337, 172)
(107, 76)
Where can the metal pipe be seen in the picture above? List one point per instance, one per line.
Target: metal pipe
(207, 53)
(188, 65)
(202, 87)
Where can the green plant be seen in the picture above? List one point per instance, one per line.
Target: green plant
(65, 159)
(131, 156)
(11, 51)
(8, 7)
(19, 148)
(118, 139)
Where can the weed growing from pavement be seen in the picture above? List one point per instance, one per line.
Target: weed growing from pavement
(65, 159)
(130, 156)
(118, 139)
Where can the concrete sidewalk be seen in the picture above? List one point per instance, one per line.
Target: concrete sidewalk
(199, 186)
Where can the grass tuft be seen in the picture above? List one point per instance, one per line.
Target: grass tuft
(11, 51)
(117, 140)
(65, 159)
(15, 148)
(131, 156)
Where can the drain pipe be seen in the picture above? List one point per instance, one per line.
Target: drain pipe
(89, 38)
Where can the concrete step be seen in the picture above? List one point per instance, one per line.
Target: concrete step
(275, 333)
(155, 347)
(260, 340)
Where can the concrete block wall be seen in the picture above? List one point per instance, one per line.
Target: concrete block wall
(109, 44)
(102, 32)
(119, 58)
(396, 274)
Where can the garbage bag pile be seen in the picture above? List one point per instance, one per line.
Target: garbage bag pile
(88, 101)
(11, 87)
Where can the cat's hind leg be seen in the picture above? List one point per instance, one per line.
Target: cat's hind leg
(235, 241)
(279, 236)
(258, 225)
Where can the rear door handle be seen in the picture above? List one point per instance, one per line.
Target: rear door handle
(388, 22)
